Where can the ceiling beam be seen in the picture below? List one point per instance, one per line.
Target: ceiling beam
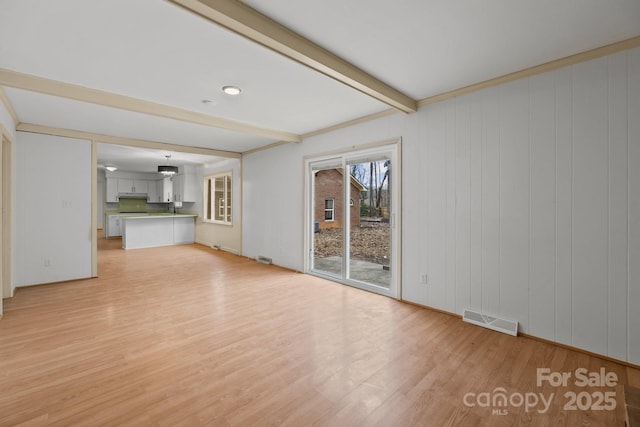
(109, 139)
(45, 86)
(248, 22)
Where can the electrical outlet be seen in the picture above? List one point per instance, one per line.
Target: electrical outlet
(424, 278)
(47, 262)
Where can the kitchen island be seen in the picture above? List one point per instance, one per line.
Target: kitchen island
(157, 230)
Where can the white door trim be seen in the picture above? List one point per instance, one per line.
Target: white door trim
(6, 215)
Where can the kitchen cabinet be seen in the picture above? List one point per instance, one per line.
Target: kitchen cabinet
(157, 230)
(153, 196)
(112, 190)
(160, 191)
(184, 188)
(165, 190)
(125, 185)
(139, 186)
(113, 224)
(183, 230)
(177, 188)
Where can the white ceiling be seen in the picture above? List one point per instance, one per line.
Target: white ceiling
(156, 51)
(428, 47)
(127, 158)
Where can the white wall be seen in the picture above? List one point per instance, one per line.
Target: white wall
(52, 209)
(272, 205)
(522, 200)
(228, 237)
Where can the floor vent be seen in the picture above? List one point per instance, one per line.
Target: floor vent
(263, 260)
(497, 324)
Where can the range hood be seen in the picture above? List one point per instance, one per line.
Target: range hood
(132, 196)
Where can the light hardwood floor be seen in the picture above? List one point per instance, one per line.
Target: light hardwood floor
(187, 336)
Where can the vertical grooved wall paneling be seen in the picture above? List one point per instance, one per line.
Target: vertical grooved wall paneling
(533, 198)
(450, 216)
(633, 163)
(618, 207)
(542, 252)
(491, 200)
(475, 201)
(514, 202)
(564, 212)
(437, 171)
(462, 197)
(590, 183)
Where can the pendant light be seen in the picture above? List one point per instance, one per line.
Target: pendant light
(167, 170)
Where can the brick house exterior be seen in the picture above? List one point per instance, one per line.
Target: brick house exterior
(328, 203)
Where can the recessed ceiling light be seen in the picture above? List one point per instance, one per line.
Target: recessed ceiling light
(231, 90)
(110, 168)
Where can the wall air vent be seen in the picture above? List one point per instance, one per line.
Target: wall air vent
(497, 324)
(263, 260)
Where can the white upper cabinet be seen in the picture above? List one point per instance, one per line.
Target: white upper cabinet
(185, 187)
(165, 190)
(153, 196)
(177, 188)
(131, 183)
(160, 191)
(126, 185)
(140, 186)
(112, 190)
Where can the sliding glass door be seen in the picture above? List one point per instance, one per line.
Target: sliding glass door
(352, 221)
(370, 229)
(328, 219)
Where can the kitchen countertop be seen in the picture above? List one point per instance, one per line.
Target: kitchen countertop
(148, 214)
(154, 216)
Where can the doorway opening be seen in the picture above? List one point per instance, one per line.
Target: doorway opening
(352, 218)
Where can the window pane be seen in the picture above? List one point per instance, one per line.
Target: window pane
(228, 201)
(218, 195)
(219, 198)
(327, 182)
(329, 209)
(208, 200)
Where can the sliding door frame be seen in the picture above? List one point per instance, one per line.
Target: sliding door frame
(391, 147)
